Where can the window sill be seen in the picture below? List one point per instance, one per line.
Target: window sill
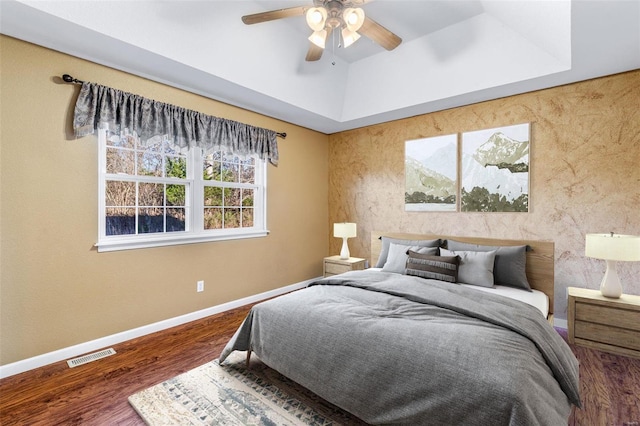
(129, 243)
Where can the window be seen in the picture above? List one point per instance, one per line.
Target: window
(151, 194)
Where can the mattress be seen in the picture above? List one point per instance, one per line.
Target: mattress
(535, 298)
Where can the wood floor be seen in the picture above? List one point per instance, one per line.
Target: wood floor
(96, 393)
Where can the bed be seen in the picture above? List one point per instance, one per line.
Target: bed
(400, 347)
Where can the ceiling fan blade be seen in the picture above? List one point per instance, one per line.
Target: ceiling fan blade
(272, 15)
(379, 34)
(314, 53)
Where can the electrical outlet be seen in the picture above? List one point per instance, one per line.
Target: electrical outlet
(200, 286)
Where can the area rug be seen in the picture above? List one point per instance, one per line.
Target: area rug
(231, 394)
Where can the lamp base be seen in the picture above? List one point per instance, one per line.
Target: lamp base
(610, 286)
(344, 253)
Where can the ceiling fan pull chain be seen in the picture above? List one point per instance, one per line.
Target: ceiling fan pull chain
(333, 48)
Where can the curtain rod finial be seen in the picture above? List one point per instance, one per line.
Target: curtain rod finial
(68, 79)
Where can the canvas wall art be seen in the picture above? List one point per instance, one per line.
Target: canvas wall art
(495, 170)
(431, 174)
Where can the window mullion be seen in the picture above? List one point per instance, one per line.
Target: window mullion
(137, 209)
(102, 168)
(260, 204)
(197, 190)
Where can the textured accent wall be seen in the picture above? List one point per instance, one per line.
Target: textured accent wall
(585, 175)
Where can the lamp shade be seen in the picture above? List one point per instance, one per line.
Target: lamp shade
(349, 37)
(318, 38)
(613, 247)
(344, 230)
(316, 18)
(353, 18)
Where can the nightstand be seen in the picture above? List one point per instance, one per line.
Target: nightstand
(611, 325)
(333, 265)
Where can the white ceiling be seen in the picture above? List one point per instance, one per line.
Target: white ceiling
(453, 52)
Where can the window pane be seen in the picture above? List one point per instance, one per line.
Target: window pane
(211, 166)
(176, 220)
(120, 161)
(232, 196)
(150, 194)
(176, 167)
(247, 218)
(247, 173)
(120, 221)
(211, 170)
(176, 195)
(149, 164)
(232, 218)
(150, 220)
(213, 218)
(247, 198)
(229, 172)
(212, 196)
(118, 193)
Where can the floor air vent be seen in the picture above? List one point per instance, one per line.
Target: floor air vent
(91, 357)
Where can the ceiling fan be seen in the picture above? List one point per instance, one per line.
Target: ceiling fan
(327, 16)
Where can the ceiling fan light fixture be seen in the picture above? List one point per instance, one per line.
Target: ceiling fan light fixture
(316, 18)
(353, 18)
(349, 37)
(318, 38)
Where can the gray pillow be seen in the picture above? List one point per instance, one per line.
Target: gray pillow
(510, 267)
(397, 258)
(384, 252)
(475, 267)
(443, 268)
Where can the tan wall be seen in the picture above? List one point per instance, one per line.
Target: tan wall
(585, 175)
(56, 289)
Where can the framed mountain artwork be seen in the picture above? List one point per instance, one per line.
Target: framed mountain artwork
(431, 174)
(495, 170)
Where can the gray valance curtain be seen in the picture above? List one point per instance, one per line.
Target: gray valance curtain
(101, 107)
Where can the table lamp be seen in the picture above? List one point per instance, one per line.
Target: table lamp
(612, 248)
(344, 231)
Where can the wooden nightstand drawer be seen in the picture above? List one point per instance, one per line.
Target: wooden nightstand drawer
(333, 265)
(615, 336)
(335, 268)
(599, 322)
(622, 318)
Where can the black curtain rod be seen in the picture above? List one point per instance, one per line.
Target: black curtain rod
(68, 79)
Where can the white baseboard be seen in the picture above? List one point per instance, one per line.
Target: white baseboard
(93, 345)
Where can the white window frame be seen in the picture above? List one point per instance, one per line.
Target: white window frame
(194, 198)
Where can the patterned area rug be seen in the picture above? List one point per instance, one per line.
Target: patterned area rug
(231, 394)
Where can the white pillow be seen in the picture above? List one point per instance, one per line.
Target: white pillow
(397, 257)
(475, 268)
(386, 241)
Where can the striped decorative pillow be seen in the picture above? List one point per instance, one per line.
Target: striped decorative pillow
(443, 268)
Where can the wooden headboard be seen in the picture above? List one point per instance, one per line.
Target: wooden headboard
(540, 256)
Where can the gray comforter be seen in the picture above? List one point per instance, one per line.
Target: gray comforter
(396, 349)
